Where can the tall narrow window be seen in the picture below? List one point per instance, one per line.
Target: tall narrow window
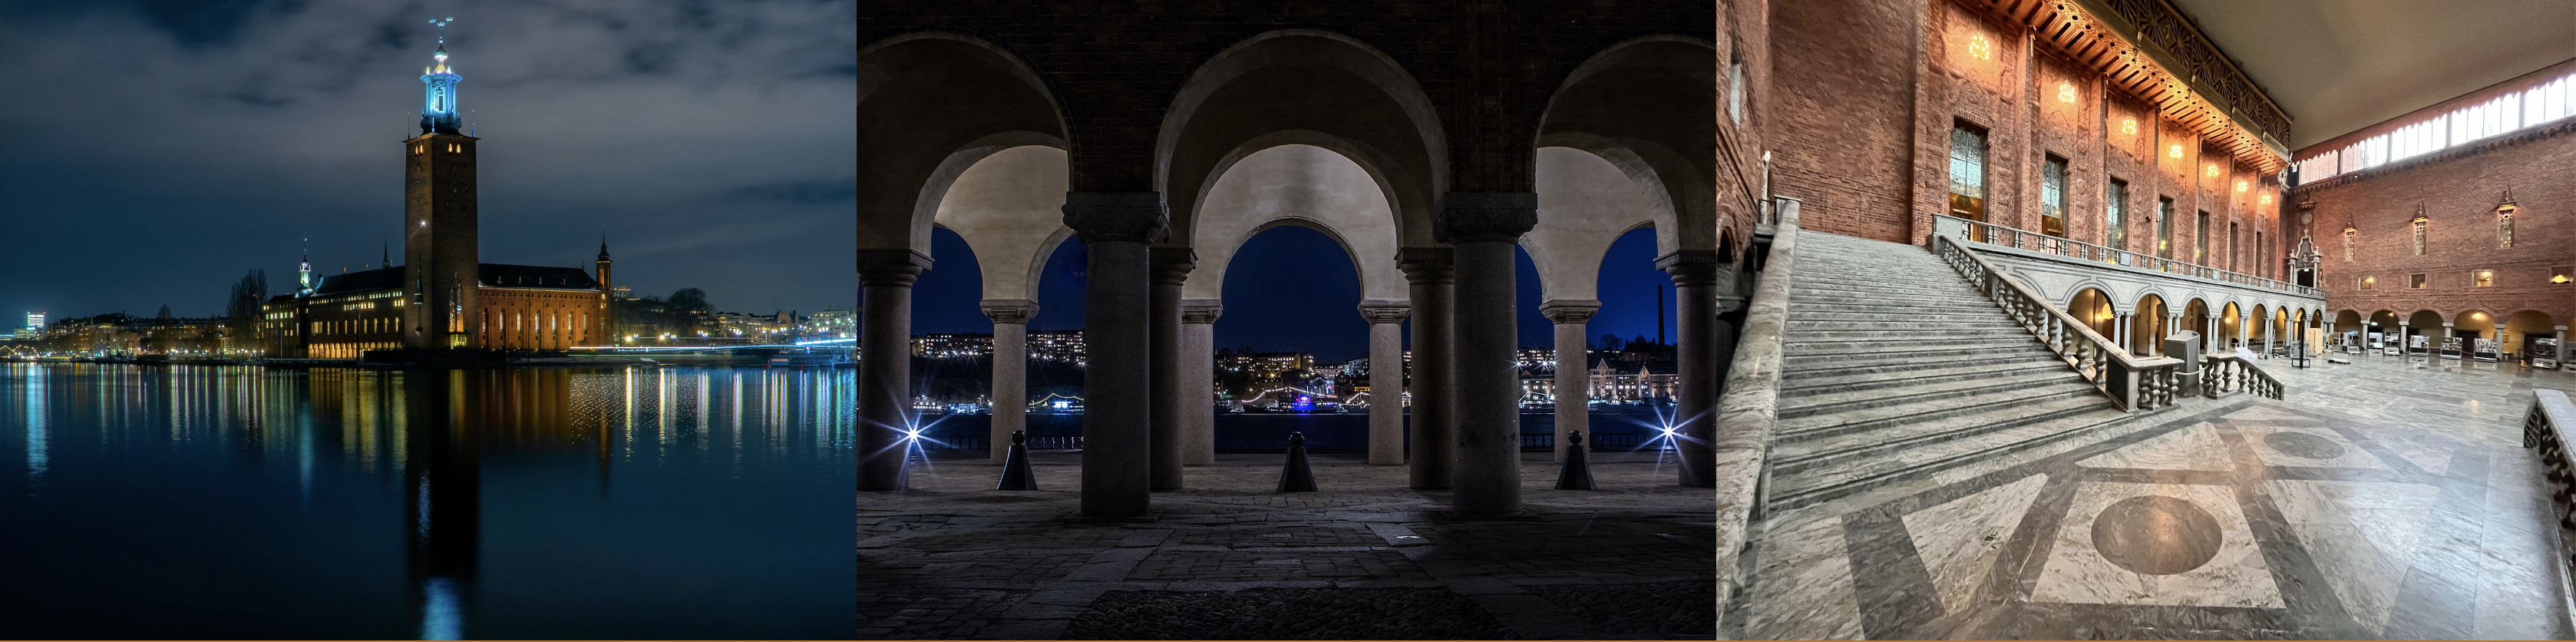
(2164, 227)
(2348, 238)
(2504, 227)
(2115, 215)
(1968, 173)
(1735, 88)
(2232, 248)
(2200, 239)
(2052, 197)
(2419, 235)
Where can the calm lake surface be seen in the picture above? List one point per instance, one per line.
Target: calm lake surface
(213, 502)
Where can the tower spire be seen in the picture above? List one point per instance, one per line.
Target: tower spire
(304, 271)
(438, 107)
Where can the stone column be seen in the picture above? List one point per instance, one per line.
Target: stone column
(1386, 379)
(2245, 329)
(2433, 356)
(1198, 381)
(1483, 228)
(1010, 369)
(885, 363)
(2404, 349)
(1695, 282)
(1430, 270)
(2173, 321)
(1171, 266)
(2209, 340)
(1573, 394)
(1117, 393)
(2271, 326)
(2560, 355)
(2121, 326)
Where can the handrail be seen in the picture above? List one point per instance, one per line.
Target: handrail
(2237, 372)
(2544, 429)
(1741, 443)
(2134, 382)
(2012, 237)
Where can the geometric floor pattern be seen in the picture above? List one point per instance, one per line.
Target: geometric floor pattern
(2379, 500)
(1227, 558)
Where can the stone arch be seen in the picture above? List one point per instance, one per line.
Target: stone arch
(2093, 306)
(1303, 87)
(1586, 204)
(931, 105)
(2149, 329)
(2519, 326)
(1304, 186)
(1649, 107)
(1009, 208)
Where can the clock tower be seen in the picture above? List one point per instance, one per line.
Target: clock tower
(440, 258)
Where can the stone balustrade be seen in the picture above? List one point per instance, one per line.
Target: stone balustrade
(2134, 382)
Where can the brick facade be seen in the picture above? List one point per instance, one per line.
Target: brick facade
(1870, 89)
(2459, 190)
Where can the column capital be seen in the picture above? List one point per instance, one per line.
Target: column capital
(891, 266)
(1569, 311)
(1484, 216)
(1690, 267)
(1013, 311)
(1378, 311)
(1172, 263)
(1427, 264)
(1201, 311)
(1136, 217)
(1729, 303)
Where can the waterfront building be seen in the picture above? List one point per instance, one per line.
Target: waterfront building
(952, 344)
(1058, 345)
(442, 296)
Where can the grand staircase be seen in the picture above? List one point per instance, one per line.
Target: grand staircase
(1895, 367)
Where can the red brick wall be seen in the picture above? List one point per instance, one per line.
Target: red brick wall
(1868, 91)
(2459, 190)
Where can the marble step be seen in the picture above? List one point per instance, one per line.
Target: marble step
(1896, 347)
(1925, 332)
(1798, 315)
(1799, 305)
(1793, 388)
(1891, 445)
(1791, 490)
(1795, 368)
(1860, 420)
(1808, 351)
(1926, 291)
(1819, 401)
(1929, 272)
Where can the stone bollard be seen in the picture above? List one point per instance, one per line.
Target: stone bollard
(1297, 477)
(1015, 465)
(1577, 474)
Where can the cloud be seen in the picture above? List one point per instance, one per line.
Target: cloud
(159, 148)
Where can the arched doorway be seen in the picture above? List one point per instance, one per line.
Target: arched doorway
(2195, 318)
(2530, 335)
(2147, 328)
(2227, 328)
(2094, 308)
(2423, 331)
(2476, 330)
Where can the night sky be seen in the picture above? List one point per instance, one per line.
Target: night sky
(155, 151)
(1289, 289)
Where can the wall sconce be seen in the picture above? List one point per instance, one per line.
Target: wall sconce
(1980, 48)
(2066, 92)
(2267, 199)
(2176, 152)
(2240, 186)
(2213, 169)
(2129, 126)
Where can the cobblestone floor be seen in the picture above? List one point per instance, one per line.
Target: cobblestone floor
(1228, 559)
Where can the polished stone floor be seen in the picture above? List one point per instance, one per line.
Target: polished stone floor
(1229, 559)
(2379, 500)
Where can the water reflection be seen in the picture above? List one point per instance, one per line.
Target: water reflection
(637, 502)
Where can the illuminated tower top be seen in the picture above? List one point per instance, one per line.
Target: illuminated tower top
(304, 273)
(438, 105)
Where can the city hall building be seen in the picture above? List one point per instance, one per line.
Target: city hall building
(442, 296)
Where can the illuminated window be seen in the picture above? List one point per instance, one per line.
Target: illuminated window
(2115, 214)
(2348, 236)
(2419, 235)
(2504, 227)
(1735, 88)
(2482, 278)
(1967, 172)
(2200, 240)
(2415, 281)
(2562, 275)
(2052, 197)
(2164, 227)
(2370, 283)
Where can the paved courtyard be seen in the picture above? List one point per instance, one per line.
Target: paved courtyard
(2380, 500)
(1229, 559)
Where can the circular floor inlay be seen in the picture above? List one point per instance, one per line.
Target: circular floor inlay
(2300, 444)
(2156, 535)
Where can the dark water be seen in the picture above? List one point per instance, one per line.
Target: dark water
(214, 502)
(1325, 432)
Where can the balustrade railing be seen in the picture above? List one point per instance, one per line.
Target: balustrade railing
(2236, 372)
(2545, 430)
(1992, 234)
(2136, 383)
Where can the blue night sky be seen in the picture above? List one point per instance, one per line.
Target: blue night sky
(1308, 300)
(158, 149)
